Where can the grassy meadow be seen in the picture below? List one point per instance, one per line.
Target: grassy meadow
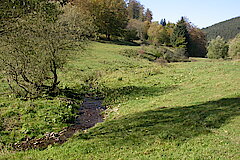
(184, 110)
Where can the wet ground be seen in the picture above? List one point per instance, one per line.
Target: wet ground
(89, 115)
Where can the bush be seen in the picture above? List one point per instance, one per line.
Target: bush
(142, 53)
(35, 48)
(178, 55)
(167, 54)
(217, 48)
(130, 35)
(154, 50)
(153, 53)
(234, 48)
(129, 53)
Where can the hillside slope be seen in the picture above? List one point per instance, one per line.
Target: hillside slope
(227, 29)
(172, 111)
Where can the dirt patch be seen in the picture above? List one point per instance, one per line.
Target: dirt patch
(89, 115)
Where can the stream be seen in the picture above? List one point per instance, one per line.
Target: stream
(89, 114)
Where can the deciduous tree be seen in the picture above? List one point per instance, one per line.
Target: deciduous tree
(110, 16)
(197, 42)
(140, 27)
(159, 35)
(153, 33)
(234, 47)
(36, 48)
(217, 48)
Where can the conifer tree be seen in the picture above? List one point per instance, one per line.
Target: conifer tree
(136, 10)
(180, 36)
(163, 22)
(148, 15)
(133, 9)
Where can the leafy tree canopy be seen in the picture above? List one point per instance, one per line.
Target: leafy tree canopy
(36, 47)
(234, 47)
(217, 48)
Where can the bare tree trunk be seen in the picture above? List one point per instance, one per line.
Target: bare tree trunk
(108, 36)
(55, 83)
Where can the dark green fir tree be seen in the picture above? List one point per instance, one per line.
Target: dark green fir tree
(180, 36)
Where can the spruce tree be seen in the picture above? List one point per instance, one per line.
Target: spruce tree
(180, 36)
(163, 22)
(133, 9)
(148, 15)
(137, 11)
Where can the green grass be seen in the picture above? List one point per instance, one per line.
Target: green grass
(179, 111)
(22, 119)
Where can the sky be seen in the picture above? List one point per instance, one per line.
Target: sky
(202, 13)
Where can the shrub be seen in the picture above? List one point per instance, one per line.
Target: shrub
(35, 48)
(154, 50)
(142, 53)
(129, 53)
(153, 53)
(130, 35)
(167, 54)
(217, 48)
(234, 48)
(177, 55)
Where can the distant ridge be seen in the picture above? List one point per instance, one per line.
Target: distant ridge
(227, 29)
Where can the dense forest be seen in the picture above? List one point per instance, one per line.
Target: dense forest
(227, 29)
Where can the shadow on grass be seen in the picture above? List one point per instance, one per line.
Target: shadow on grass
(73, 94)
(174, 124)
(114, 95)
(118, 42)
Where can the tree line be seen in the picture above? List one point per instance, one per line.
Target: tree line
(131, 21)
